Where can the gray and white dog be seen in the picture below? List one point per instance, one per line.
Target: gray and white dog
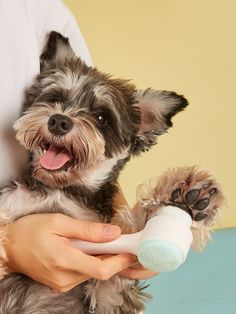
(81, 127)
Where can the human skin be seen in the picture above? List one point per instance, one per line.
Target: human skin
(38, 246)
(34, 246)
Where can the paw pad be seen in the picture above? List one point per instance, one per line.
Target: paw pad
(195, 201)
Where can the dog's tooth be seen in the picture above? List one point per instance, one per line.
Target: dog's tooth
(44, 151)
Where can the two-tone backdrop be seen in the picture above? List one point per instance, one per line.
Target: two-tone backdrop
(189, 47)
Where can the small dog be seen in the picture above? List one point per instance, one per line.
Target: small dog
(81, 127)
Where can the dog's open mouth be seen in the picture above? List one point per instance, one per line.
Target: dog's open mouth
(55, 158)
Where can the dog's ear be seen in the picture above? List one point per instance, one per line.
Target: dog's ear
(57, 51)
(157, 107)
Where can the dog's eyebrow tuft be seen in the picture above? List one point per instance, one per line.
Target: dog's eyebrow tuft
(105, 98)
(103, 93)
(54, 94)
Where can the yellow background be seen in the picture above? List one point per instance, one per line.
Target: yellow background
(186, 46)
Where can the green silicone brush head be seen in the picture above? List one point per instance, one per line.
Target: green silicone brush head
(160, 255)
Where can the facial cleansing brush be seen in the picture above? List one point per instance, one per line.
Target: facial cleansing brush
(162, 246)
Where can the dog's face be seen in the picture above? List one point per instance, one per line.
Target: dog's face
(81, 125)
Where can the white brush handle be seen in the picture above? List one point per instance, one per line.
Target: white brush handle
(171, 224)
(126, 243)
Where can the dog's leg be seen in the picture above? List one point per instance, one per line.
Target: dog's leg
(195, 191)
(123, 296)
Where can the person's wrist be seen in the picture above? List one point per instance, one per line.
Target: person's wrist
(6, 243)
(3, 250)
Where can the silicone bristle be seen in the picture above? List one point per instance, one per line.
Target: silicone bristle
(160, 255)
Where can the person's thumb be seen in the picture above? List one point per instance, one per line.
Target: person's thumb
(88, 230)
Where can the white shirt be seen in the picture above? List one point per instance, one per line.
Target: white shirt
(24, 25)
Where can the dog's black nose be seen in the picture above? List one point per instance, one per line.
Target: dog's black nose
(59, 124)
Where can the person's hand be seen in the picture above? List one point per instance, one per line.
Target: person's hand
(38, 246)
(138, 272)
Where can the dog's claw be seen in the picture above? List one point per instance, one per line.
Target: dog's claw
(206, 185)
(175, 194)
(213, 191)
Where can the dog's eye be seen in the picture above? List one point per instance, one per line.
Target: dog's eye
(101, 117)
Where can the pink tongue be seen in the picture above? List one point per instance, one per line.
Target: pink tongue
(54, 158)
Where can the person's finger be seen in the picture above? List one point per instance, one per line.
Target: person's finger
(137, 266)
(136, 274)
(75, 278)
(84, 230)
(95, 267)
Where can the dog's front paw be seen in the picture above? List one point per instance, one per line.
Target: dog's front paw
(196, 192)
(197, 201)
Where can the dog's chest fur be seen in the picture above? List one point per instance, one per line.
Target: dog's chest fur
(30, 196)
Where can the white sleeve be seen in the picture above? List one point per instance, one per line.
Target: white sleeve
(53, 15)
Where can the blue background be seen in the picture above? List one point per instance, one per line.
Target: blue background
(204, 284)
